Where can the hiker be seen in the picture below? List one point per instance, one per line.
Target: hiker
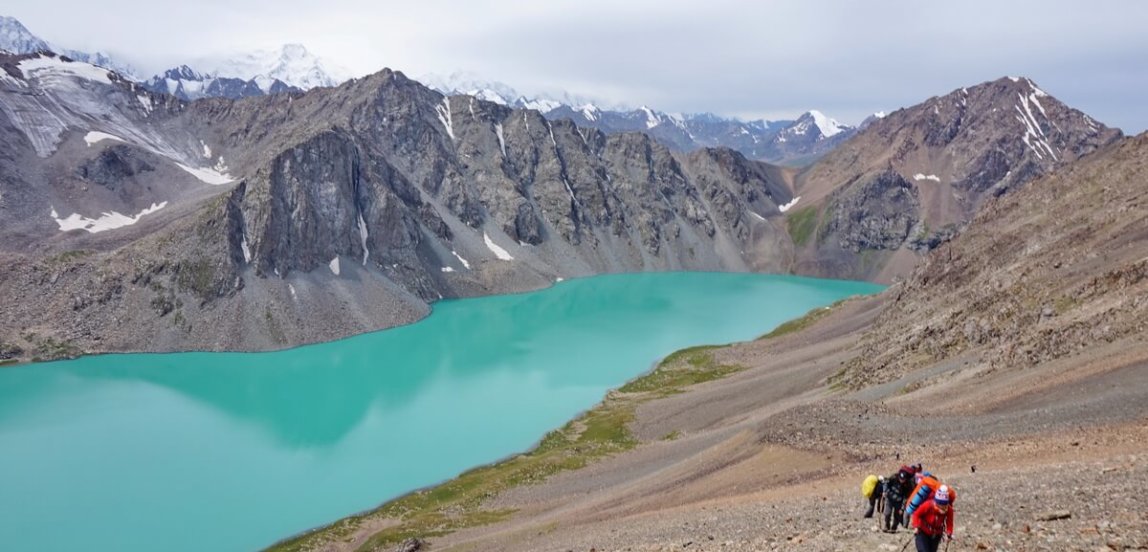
(873, 489)
(933, 521)
(897, 487)
(927, 485)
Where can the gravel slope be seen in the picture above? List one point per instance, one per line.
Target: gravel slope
(771, 459)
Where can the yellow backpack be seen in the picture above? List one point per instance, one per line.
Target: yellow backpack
(868, 485)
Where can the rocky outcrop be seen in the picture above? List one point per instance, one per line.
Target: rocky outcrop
(877, 214)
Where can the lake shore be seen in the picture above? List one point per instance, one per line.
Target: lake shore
(771, 456)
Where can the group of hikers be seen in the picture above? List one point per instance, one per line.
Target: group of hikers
(917, 499)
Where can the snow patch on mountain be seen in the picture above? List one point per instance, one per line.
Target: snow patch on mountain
(788, 206)
(501, 138)
(444, 116)
(651, 119)
(47, 68)
(145, 101)
(96, 137)
(106, 221)
(499, 252)
(363, 235)
(208, 176)
(828, 127)
(465, 263)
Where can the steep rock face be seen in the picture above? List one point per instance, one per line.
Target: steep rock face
(877, 214)
(1054, 270)
(950, 153)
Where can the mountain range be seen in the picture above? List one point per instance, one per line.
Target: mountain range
(293, 68)
(135, 220)
(290, 68)
(796, 142)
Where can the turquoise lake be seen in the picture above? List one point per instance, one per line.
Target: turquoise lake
(234, 451)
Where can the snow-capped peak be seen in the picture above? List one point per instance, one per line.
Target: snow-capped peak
(291, 64)
(16, 38)
(472, 85)
(183, 72)
(542, 105)
(488, 95)
(589, 111)
(828, 126)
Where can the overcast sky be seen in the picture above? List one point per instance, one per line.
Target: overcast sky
(750, 59)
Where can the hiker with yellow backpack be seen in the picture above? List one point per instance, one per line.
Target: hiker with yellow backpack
(873, 490)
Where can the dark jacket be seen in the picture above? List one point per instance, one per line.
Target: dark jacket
(898, 486)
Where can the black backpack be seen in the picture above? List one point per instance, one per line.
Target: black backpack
(897, 487)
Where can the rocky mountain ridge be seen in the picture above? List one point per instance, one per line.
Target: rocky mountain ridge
(911, 180)
(188, 84)
(796, 142)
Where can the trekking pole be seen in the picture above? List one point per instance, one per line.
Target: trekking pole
(948, 541)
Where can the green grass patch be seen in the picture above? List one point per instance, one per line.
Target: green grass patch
(457, 504)
(672, 436)
(1064, 304)
(197, 276)
(48, 349)
(680, 370)
(837, 381)
(802, 225)
(68, 256)
(805, 321)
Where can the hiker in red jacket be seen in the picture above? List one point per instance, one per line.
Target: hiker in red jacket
(933, 521)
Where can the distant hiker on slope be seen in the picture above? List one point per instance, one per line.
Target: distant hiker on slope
(933, 521)
(872, 489)
(897, 487)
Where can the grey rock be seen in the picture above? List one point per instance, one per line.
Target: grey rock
(1054, 515)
